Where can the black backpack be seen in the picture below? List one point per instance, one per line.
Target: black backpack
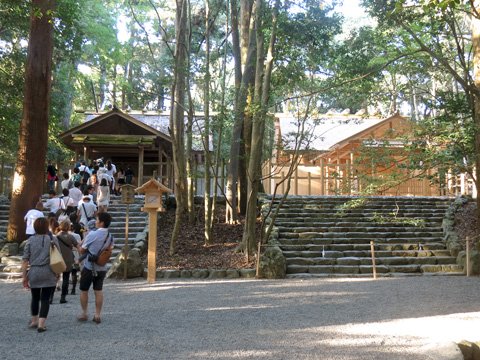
(84, 177)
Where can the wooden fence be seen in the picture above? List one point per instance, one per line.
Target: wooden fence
(345, 179)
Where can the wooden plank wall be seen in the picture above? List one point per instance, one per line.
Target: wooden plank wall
(335, 179)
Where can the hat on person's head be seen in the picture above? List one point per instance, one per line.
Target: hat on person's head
(86, 197)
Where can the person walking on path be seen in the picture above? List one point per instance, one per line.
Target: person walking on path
(103, 197)
(92, 273)
(40, 279)
(67, 244)
(86, 210)
(54, 204)
(51, 175)
(31, 216)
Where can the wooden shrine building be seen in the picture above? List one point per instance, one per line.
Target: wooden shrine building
(139, 140)
(335, 158)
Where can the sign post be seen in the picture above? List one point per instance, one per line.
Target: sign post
(128, 197)
(153, 191)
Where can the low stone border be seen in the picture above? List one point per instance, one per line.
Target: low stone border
(204, 274)
(453, 241)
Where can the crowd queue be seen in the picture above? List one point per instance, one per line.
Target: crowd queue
(77, 224)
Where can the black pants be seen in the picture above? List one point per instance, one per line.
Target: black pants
(65, 283)
(41, 301)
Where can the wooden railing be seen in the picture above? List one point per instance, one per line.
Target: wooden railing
(345, 179)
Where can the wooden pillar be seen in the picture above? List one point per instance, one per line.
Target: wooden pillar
(141, 155)
(322, 177)
(152, 246)
(296, 181)
(348, 174)
(309, 183)
(160, 164)
(169, 174)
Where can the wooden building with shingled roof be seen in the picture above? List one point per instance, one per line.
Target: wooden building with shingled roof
(333, 157)
(139, 139)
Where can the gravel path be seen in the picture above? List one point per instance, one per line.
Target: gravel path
(395, 318)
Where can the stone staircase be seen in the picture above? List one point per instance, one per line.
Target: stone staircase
(329, 236)
(10, 266)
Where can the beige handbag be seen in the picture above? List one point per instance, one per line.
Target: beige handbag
(57, 264)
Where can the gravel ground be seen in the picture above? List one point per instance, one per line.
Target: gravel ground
(392, 318)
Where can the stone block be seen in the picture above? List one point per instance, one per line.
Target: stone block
(134, 263)
(368, 269)
(348, 261)
(185, 274)
(9, 249)
(217, 274)
(272, 264)
(247, 273)
(232, 274)
(171, 274)
(346, 269)
(200, 273)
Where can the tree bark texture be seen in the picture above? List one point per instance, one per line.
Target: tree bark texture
(476, 97)
(33, 134)
(177, 125)
(208, 162)
(262, 96)
(239, 113)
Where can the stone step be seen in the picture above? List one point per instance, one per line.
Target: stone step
(369, 275)
(366, 253)
(10, 276)
(311, 233)
(364, 240)
(347, 223)
(368, 269)
(364, 247)
(379, 207)
(11, 260)
(339, 198)
(357, 261)
(16, 268)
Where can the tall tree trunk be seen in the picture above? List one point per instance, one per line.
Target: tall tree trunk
(239, 112)
(206, 105)
(191, 169)
(476, 96)
(177, 126)
(221, 118)
(262, 95)
(33, 136)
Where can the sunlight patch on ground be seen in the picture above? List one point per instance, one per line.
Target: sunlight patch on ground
(231, 354)
(168, 285)
(246, 307)
(447, 328)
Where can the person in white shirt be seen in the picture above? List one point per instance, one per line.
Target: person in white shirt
(31, 216)
(103, 196)
(87, 210)
(111, 170)
(75, 193)
(66, 184)
(84, 167)
(54, 203)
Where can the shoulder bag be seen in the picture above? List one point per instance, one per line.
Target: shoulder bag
(57, 264)
(105, 253)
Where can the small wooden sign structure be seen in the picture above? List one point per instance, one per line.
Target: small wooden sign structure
(128, 197)
(153, 191)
